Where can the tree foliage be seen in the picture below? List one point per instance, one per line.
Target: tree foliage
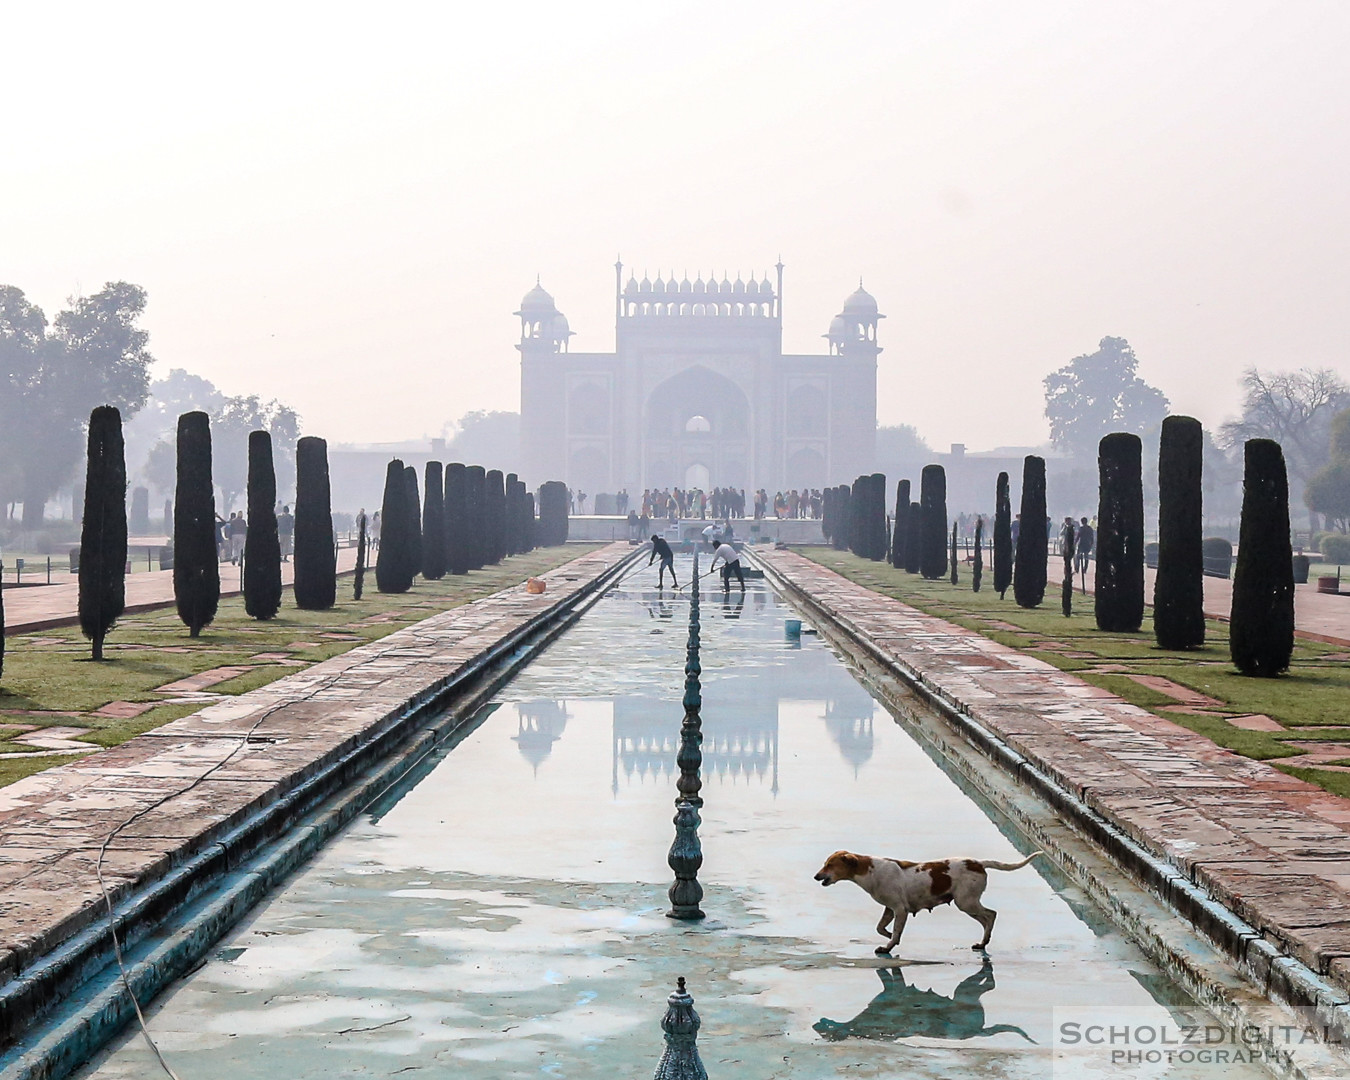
(1179, 587)
(1119, 592)
(898, 530)
(315, 557)
(1030, 568)
(94, 353)
(456, 536)
(933, 499)
(1099, 393)
(433, 523)
(1328, 490)
(394, 565)
(1003, 549)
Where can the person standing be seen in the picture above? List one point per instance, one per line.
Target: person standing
(286, 531)
(238, 530)
(1082, 549)
(731, 564)
(662, 549)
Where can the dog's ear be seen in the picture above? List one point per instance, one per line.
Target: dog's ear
(850, 860)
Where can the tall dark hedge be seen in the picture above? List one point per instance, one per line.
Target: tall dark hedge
(362, 550)
(456, 535)
(914, 539)
(1261, 627)
(433, 523)
(103, 535)
(531, 522)
(512, 541)
(858, 497)
(475, 499)
(414, 511)
(877, 538)
(196, 560)
(843, 514)
(977, 571)
(1179, 587)
(139, 525)
(933, 499)
(262, 546)
(1066, 580)
(552, 514)
(827, 515)
(315, 555)
(494, 514)
(900, 524)
(1030, 568)
(1119, 592)
(1003, 548)
(956, 557)
(394, 563)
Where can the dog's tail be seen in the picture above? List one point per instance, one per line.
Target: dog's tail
(1010, 865)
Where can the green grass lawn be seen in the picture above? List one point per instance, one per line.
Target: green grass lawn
(1311, 701)
(49, 680)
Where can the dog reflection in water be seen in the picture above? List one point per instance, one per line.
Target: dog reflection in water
(902, 1011)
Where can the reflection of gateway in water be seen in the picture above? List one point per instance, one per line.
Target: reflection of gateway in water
(540, 724)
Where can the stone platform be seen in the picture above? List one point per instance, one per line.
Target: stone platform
(1271, 849)
(164, 800)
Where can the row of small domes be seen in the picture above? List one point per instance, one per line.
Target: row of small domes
(539, 302)
(712, 285)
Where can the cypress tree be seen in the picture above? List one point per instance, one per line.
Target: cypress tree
(1179, 588)
(103, 535)
(1003, 549)
(139, 525)
(1119, 594)
(978, 570)
(315, 556)
(456, 539)
(359, 578)
(475, 495)
(933, 499)
(513, 522)
(898, 532)
(1261, 626)
(955, 556)
(414, 511)
(433, 523)
(494, 515)
(394, 561)
(857, 515)
(196, 560)
(843, 516)
(878, 540)
(1031, 566)
(262, 546)
(1066, 585)
(914, 539)
(827, 514)
(531, 522)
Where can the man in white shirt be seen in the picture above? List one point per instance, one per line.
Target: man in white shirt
(731, 561)
(712, 535)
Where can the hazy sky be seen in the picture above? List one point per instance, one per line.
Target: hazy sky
(341, 206)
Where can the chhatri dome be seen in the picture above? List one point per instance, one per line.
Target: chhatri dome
(536, 301)
(861, 302)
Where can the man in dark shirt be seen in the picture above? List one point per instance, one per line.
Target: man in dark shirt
(661, 548)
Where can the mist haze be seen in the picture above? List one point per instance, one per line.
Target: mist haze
(316, 197)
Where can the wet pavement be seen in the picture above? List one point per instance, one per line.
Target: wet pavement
(502, 915)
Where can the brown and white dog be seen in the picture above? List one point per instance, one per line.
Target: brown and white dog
(906, 888)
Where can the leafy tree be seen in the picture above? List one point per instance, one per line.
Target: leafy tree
(1179, 588)
(933, 499)
(196, 561)
(1099, 393)
(95, 353)
(1119, 596)
(394, 566)
(1031, 566)
(1328, 490)
(262, 545)
(1294, 408)
(232, 427)
(103, 536)
(898, 532)
(315, 557)
(1261, 624)
(487, 436)
(433, 523)
(1003, 549)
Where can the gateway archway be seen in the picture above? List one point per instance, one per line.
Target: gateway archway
(697, 427)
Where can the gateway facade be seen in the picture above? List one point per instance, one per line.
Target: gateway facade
(698, 392)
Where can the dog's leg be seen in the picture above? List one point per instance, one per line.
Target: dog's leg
(900, 918)
(985, 917)
(884, 927)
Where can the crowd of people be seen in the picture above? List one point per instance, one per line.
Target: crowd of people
(232, 532)
(725, 503)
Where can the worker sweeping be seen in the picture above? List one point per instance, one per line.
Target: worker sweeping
(661, 548)
(731, 564)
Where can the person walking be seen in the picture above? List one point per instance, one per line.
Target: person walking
(237, 532)
(662, 549)
(286, 531)
(1082, 549)
(731, 564)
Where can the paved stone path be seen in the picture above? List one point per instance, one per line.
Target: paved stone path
(1273, 849)
(260, 745)
(41, 607)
